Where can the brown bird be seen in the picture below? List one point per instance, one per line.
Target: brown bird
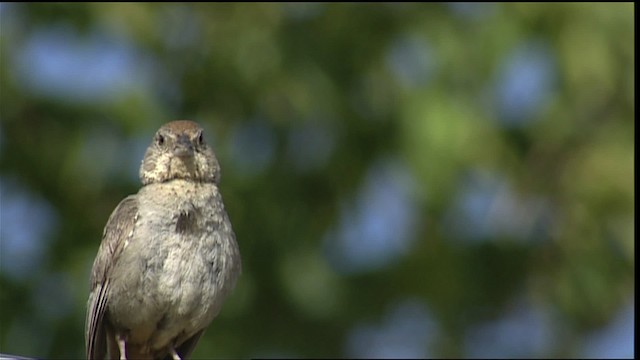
(168, 256)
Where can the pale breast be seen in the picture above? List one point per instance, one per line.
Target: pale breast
(184, 253)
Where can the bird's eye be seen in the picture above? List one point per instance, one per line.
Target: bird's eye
(160, 140)
(200, 139)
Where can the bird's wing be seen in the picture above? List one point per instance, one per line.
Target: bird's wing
(118, 230)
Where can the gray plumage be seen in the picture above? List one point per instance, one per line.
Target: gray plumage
(168, 256)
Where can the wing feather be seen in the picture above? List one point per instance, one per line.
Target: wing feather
(118, 230)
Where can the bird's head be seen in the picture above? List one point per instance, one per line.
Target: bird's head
(179, 151)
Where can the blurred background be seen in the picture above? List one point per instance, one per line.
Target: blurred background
(405, 180)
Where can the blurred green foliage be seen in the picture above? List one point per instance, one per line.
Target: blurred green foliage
(275, 68)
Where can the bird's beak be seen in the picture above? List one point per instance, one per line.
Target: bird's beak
(183, 147)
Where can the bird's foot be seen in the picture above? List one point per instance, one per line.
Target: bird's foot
(122, 346)
(174, 354)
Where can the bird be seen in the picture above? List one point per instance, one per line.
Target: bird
(168, 257)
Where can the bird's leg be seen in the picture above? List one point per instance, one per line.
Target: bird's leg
(174, 354)
(122, 346)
